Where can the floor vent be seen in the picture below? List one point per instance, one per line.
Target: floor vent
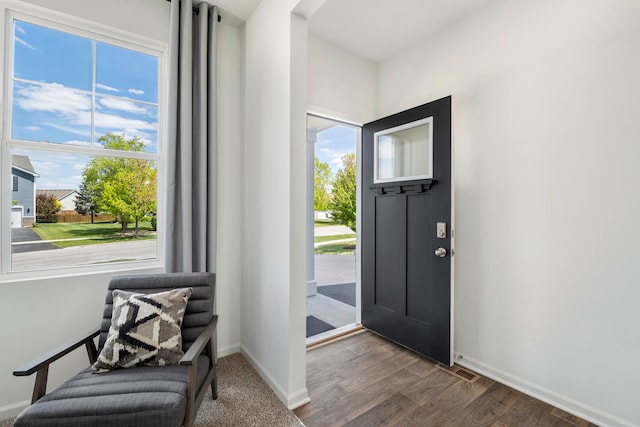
(459, 372)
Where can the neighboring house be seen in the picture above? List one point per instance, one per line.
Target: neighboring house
(23, 191)
(67, 198)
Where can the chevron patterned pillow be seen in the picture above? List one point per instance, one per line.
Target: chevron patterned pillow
(145, 330)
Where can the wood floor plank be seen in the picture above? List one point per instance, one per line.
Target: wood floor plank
(430, 387)
(384, 413)
(341, 407)
(422, 367)
(365, 380)
(488, 407)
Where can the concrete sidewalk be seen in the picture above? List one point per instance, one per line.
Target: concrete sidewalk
(335, 269)
(331, 230)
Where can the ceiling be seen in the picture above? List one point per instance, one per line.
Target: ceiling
(239, 8)
(379, 29)
(373, 29)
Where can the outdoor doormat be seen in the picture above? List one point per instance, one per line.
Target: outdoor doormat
(316, 326)
(345, 293)
(459, 372)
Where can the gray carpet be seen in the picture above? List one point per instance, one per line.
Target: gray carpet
(316, 326)
(243, 400)
(345, 293)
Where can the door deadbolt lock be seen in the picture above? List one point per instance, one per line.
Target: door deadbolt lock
(441, 252)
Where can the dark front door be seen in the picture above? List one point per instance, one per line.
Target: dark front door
(406, 229)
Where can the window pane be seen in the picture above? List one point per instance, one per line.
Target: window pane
(404, 153)
(124, 72)
(50, 56)
(130, 119)
(108, 192)
(51, 114)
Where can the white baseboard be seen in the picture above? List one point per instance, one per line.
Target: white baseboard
(291, 401)
(10, 411)
(228, 350)
(567, 404)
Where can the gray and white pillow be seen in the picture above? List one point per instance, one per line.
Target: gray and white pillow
(145, 330)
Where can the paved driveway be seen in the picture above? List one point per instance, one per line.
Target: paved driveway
(28, 241)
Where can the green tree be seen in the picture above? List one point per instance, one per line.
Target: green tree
(132, 192)
(102, 170)
(322, 180)
(343, 201)
(87, 201)
(46, 207)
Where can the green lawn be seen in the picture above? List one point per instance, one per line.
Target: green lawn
(337, 249)
(336, 237)
(103, 232)
(323, 222)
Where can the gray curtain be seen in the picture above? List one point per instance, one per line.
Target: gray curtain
(191, 155)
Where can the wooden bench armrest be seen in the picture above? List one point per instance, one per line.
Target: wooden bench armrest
(47, 359)
(199, 344)
(41, 365)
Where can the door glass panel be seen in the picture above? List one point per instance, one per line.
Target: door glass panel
(404, 152)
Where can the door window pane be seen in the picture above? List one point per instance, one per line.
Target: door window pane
(404, 152)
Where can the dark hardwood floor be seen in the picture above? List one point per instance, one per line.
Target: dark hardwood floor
(364, 380)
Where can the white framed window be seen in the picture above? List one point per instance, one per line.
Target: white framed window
(404, 153)
(82, 123)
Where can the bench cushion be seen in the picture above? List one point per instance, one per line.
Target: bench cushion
(140, 396)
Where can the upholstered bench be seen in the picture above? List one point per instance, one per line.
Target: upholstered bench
(165, 395)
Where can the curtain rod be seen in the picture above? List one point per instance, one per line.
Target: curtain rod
(196, 9)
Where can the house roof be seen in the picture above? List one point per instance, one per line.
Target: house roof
(23, 163)
(58, 194)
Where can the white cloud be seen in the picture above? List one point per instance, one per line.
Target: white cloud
(332, 157)
(123, 105)
(74, 109)
(24, 43)
(105, 87)
(336, 161)
(20, 30)
(33, 128)
(145, 137)
(56, 99)
(59, 170)
(136, 92)
(112, 121)
(69, 129)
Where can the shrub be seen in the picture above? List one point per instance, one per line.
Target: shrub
(46, 208)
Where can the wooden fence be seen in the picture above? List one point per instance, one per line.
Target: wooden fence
(72, 216)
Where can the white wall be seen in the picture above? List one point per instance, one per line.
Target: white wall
(148, 18)
(274, 265)
(334, 72)
(545, 107)
(230, 204)
(66, 307)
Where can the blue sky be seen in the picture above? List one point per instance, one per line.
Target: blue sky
(332, 143)
(53, 97)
